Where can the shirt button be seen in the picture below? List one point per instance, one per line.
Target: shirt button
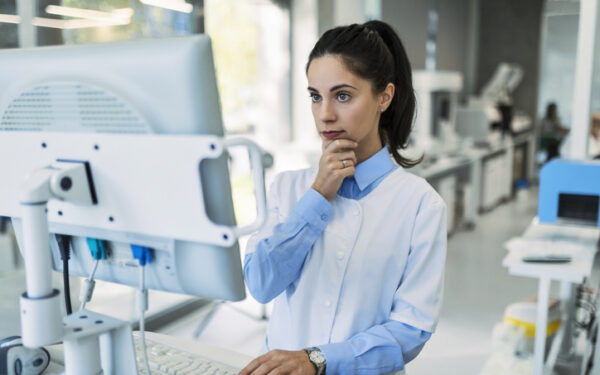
(327, 303)
(323, 217)
(340, 255)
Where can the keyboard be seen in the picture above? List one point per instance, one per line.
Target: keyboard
(173, 357)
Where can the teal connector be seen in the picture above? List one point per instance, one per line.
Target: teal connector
(97, 248)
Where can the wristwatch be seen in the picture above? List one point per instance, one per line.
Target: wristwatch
(317, 358)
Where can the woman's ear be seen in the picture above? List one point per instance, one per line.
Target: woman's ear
(386, 96)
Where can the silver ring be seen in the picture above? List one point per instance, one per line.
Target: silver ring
(344, 163)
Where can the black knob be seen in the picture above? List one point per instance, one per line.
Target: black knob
(18, 367)
(66, 183)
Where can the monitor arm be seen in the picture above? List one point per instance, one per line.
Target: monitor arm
(87, 336)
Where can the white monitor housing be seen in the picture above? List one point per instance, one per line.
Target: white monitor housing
(165, 86)
(59, 110)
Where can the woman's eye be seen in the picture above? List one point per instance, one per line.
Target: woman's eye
(343, 97)
(315, 98)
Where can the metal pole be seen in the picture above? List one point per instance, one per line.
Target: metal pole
(541, 325)
(579, 135)
(26, 9)
(432, 31)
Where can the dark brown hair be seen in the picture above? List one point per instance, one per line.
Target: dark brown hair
(373, 51)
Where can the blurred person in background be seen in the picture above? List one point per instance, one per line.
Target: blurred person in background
(594, 143)
(552, 132)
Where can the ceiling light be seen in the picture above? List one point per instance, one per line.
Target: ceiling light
(176, 5)
(10, 18)
(69, 24)
(115, 17)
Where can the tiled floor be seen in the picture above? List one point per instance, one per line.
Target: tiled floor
(477, 290)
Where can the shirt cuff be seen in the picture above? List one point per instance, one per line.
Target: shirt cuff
(336, 356)
(314, 209)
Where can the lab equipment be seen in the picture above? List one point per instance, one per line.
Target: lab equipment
(473, 122)
(581, 244)
(550, 258)
(585, 306)
(570, 192)
(15, 359)
(168, 193)
(505, 80)
(523, 314)
(437, 99)
(493, 107)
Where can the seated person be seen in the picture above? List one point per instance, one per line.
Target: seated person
(594, 143)
(552, 132)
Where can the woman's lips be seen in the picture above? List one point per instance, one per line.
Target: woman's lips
(331, 134)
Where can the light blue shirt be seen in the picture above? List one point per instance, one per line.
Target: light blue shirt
(275, 265)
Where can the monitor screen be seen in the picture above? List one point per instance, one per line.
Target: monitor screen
(578, 207)
(165, 86)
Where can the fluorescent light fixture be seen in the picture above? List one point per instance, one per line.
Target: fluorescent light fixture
(49, 22)
(10, 18)
(70, 24)
(123, 12)
(176, 5)
(117, 17)
(85, 18)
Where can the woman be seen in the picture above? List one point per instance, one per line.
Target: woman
(594, 141)
(353, 252)
(553, 132)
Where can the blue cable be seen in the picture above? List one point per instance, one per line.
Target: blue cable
(142, 254)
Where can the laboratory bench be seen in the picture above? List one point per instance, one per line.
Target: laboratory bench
(472, 179)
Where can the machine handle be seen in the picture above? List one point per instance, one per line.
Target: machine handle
(258, 177)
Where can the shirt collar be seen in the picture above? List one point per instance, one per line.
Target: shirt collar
(373, 168)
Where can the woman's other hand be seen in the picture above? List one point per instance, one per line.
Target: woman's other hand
(281, 362)
(337, 162)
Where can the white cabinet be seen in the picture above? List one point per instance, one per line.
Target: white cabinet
(496, 179)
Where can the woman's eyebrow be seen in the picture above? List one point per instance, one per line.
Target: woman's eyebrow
(336, 87)
(343, 85)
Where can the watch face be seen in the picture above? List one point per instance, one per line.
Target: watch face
(317, 357)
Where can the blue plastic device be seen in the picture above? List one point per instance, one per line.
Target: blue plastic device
(570, 190)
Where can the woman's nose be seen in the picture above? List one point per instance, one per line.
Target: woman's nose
(327, 112)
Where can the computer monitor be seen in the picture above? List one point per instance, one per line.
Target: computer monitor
(165, 86)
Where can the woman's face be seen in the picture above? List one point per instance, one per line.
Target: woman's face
(344, 106)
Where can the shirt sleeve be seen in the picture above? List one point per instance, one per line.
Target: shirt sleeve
(418, 298)
(275, 255)
(380, 349)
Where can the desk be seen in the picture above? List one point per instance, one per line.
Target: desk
(582, 243)
(486, 171)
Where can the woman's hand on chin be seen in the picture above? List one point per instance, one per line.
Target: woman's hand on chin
(337, 162)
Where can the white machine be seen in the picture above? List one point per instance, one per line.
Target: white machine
(169, 194)
(475, 119)
(437, 99)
